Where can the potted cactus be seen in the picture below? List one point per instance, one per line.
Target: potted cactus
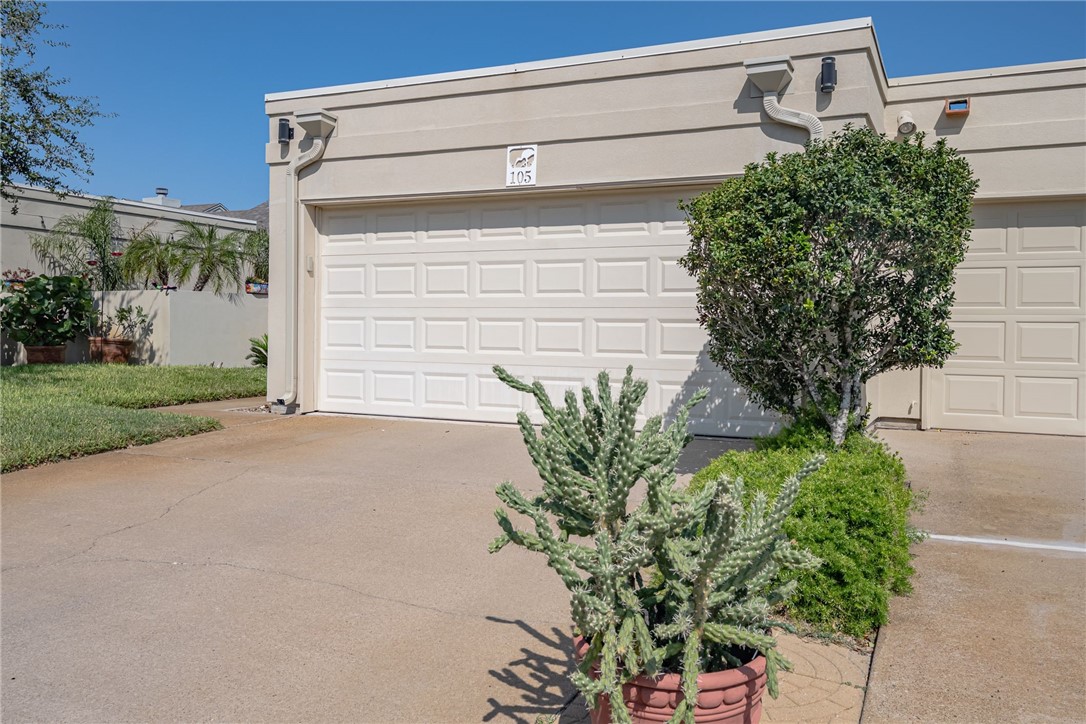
(672, 598)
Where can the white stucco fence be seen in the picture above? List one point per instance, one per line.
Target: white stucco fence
(187, 328)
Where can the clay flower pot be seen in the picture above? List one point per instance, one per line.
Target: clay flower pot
(114, 351)
(44, 355)
(733, 696)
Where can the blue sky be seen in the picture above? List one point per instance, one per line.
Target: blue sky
(187, 80)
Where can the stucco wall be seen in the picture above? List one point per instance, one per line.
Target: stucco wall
(187, 328)
(686, 116)
(682, 117)
(40, 210)
(1025, 134)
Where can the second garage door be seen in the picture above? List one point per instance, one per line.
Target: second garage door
(418, 301)
(1018, 317)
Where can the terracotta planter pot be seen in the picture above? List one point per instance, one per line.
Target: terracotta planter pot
(112, 351)
(733, 696)
(44, 355)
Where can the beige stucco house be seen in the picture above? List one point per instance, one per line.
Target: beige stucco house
(39, 210)
(424, 229)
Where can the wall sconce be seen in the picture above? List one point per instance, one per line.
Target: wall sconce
(286, 133)
(906, 126)
(829, 74)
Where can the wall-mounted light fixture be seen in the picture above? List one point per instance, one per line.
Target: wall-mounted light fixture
(906, 126)
(286, 133)
(829, 74)
(956, 107)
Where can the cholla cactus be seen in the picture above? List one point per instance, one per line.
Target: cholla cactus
(683, 582)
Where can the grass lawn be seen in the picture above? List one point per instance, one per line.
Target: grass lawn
(53, 412)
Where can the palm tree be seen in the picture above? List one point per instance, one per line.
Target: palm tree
(256, 252)
(84, 245)
(216, 260)
(151, 256)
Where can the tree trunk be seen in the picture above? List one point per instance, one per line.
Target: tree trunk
(839, 428)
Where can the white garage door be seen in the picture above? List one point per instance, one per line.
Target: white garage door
(1018, 317)
(418, 301)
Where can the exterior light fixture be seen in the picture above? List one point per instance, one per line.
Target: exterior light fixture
(286, 133)
(829, 74)
(906, 126)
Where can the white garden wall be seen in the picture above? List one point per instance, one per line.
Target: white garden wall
(187, 328)
(194, 328)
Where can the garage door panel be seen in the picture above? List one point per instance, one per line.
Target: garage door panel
(1058, 287)
(619, 222)
(1049, 343)
(472, 393)
(550, 274)
(1018, 319)
(419, 302)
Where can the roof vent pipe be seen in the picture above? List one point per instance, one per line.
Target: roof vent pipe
(770, 76)
(319, 126)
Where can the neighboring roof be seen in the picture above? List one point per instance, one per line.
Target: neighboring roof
(205, 208)
(258, 213)
(141, 204)
(666, 49)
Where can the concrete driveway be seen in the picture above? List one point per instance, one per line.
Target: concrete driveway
(305, 569)
(995, 629)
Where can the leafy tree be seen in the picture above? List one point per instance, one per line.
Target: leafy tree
(39, 125)
(150, 256)
(216, 259)
(84, 245)
(818, 270)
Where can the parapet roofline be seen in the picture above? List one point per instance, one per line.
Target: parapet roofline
(138, 204)
(666, 49)
(1001, 71)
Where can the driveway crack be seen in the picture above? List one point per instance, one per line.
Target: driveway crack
(303, 579)
(140, 524)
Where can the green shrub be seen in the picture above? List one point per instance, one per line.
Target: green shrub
(258, 351)
(853, 513)
(47, 310)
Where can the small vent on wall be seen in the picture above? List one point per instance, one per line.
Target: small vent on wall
(956, 107)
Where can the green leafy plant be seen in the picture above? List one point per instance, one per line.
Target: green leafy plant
(818, 270)
(256, 252)
(151, 257)
(85, 245)
(853, 513)
(682, 582)
(258, 351)
(39, 124)
(126, 322)
(216, 259)
(47, 310)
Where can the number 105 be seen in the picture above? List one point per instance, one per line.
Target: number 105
(520, 177)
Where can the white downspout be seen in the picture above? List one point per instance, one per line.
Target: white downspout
(791, 117)
(319, 125)
(770, 76)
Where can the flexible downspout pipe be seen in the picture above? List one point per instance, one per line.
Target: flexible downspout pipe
(311, 156)
(791, 117)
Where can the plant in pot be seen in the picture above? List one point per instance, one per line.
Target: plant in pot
(672, 599)
(14, 278)
(45, 313)
(256, 285)
(118, 334)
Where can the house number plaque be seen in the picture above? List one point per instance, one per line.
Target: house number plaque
(520, 164)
